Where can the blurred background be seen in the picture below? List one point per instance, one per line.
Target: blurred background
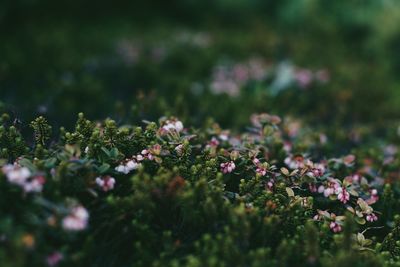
(330, 63)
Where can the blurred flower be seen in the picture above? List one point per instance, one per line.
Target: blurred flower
(335, 227)
(315, 169)
(303, 77)
(54, 258)
(128, 166)
(179, 149)
(106, 182)
(22, 177)
(16, 174)
(230, 78)
(77, 220)
(295, 162)
(374, 197)
(342, 194)
(172, 125)
(28, 240)
(330, 188)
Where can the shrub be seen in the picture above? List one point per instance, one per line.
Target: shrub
(163, 194)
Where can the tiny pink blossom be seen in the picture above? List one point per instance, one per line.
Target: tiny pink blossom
(227, 167)
(335, 227)
(317, 170)
(107, 183)
(312, 187)
(54, 258)
(330, 189)
(22, 177)
(261, 170)
(371, 217)
(77, 220)
(295, 162)
(256, 161)
(270, 184)
(374, 197)
(213, 143)
(303, 77)
(342, 194)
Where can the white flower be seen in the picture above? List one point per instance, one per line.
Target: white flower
(128, 166)
(22, 177)
(35, 184)
(16, 174)
(172, 125)
(106, 183)
(179, 149)
(122, 168)
(77, 220)
(132, 165)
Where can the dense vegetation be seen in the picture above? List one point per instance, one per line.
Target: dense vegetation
(213, 133)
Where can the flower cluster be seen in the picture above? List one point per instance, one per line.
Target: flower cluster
(23, 177)
(135, 162)
(228, 167)
(171, 126)
(106, 183)
(76, 220)
(229, 78)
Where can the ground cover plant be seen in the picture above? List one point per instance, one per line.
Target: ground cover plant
(199, 133)
(166, 194)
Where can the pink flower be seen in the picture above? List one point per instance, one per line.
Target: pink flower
(371, 217)
(172, 125)
(356, 178)
(374, 197)
(303, 77)
(317, 170)
(213, 143)
(227, 167)
(335, 227)
(295, 162)
(22, 177)
(330, 189)
(270, 184)
(77, 220)
(261, 170)
(287, 146)
(312, 187)
(146, 154)
(54, 258)
(107, 183)
(342, 194)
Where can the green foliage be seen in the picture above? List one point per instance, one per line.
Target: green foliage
(164, 195)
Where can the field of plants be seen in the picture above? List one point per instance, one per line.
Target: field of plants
(210, 133)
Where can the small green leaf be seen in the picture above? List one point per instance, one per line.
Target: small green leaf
(290, 192)
(103, 168)
(285, 171)
(360, 220)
